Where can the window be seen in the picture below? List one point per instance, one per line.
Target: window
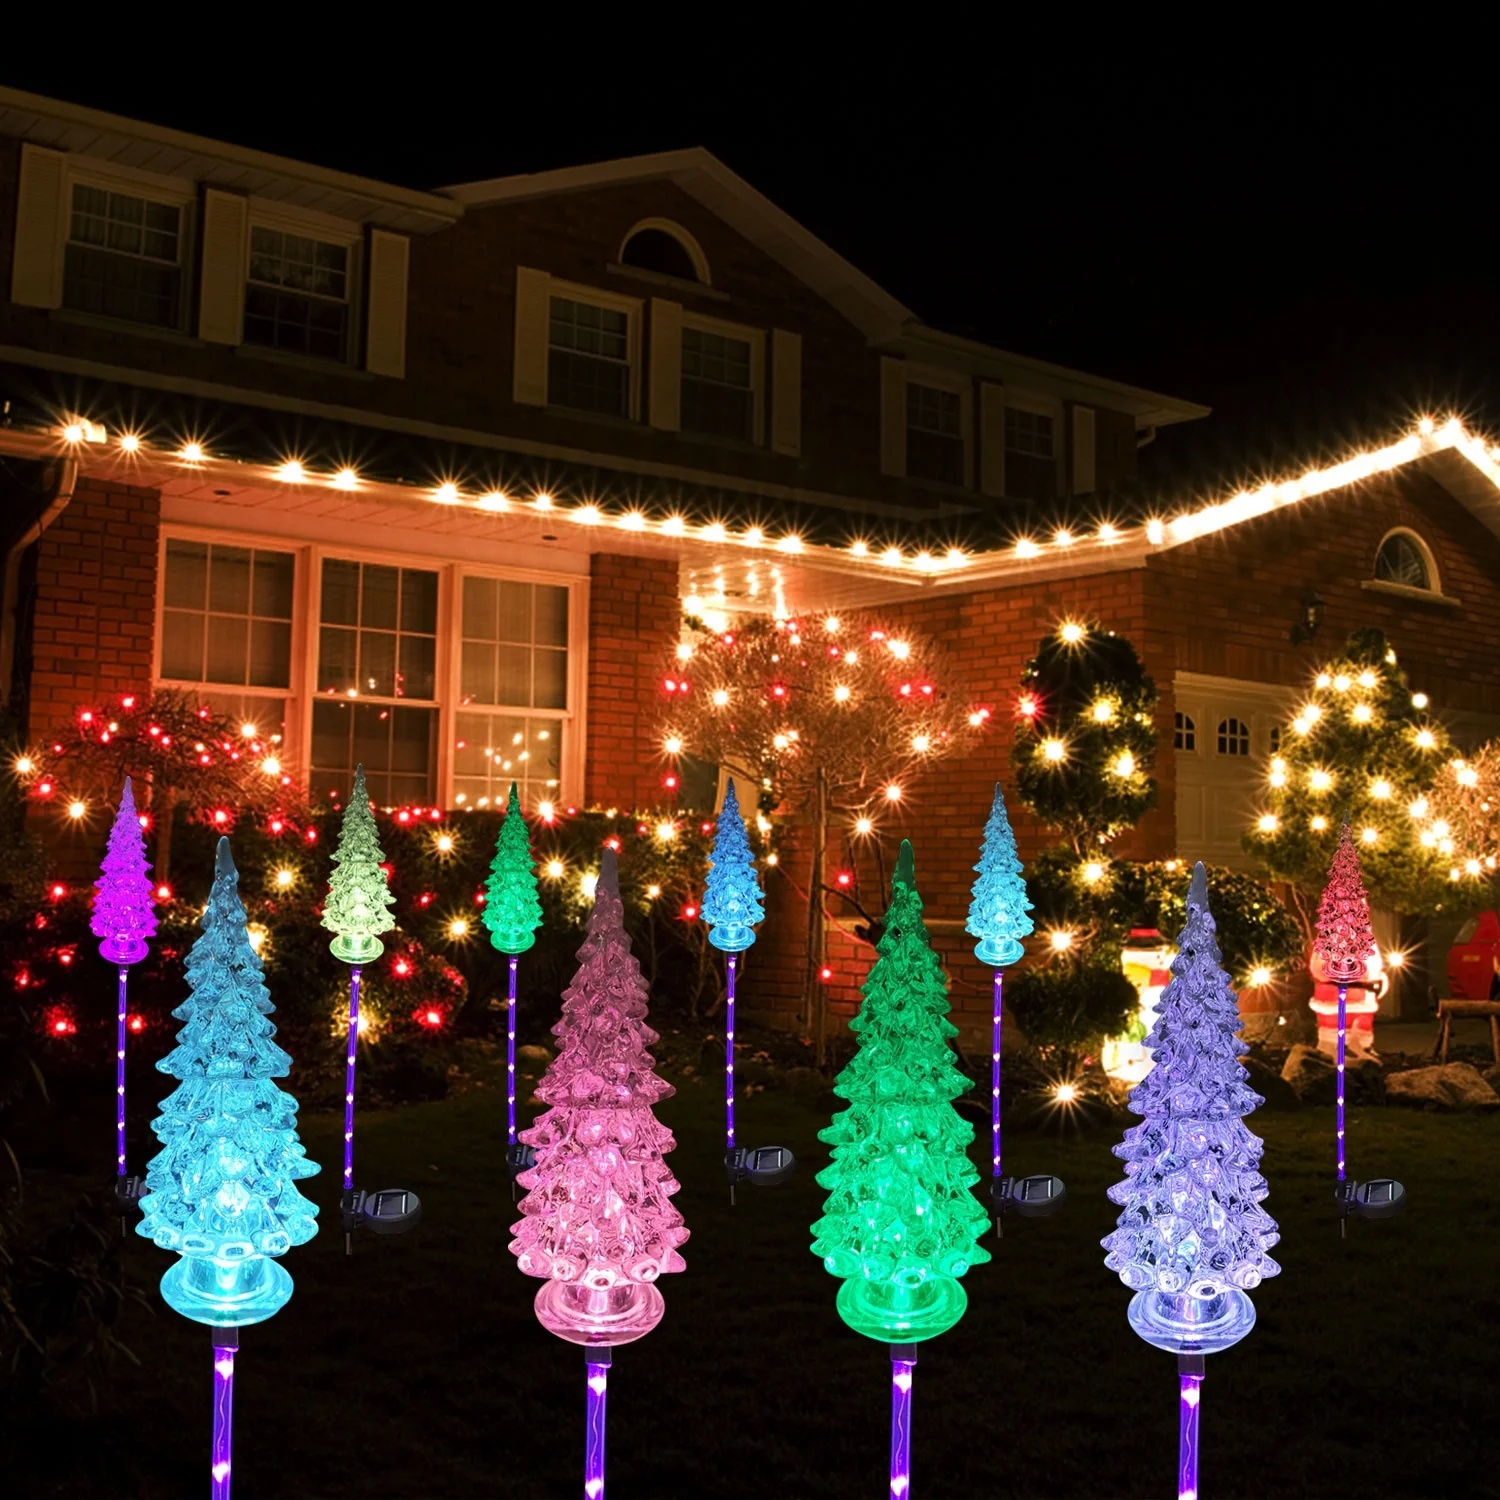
(377, 646)
(227, 615)
(123, 257)
(659, 250)
(1030, 455)
(1403, 558)
(1275, 738)
(934, 433)
(1184, 732)
(514, 655)
(1234, 737)
(297, 297)
(718, 385)
(588, 357)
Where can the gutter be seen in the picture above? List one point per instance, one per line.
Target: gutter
(10, 623)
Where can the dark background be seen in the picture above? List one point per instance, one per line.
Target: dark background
(1297, 231)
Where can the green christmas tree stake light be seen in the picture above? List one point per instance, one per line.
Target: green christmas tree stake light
(731, 908)
(901, 1224)
(357, 911)
(999, 918)
(222, 1191)
(1344, 944)
(512, 913)
(123, 918)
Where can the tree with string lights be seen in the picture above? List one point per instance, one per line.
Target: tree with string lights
(832, 718)
(1463, 815)
(1362, 746)
(1085, 745)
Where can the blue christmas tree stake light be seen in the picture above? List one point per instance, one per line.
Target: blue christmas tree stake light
(999, 918)
(222, 1191)
(731, 907)
(123, 918)
(1192, 1238)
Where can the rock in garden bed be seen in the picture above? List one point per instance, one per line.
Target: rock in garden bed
(1450, 1086)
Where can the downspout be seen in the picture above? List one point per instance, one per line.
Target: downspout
(10, 622)
(1146, 436)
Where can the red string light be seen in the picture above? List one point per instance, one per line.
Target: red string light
(136, 1023)
(430, 1017)
(402, 968)
(164, 893)
(825, 973)
(57, 892)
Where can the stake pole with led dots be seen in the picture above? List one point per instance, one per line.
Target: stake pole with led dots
(357, 909)
(123, 919)
(512, 913)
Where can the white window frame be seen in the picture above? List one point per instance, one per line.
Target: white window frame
(962, 386)
(683, 238)
(756, 338)
(1243, 732)
(331, 231)
(81, 172)
(632, 307)
(1434, 579)
(1193, 718)
(1042, 406)
(307, 593)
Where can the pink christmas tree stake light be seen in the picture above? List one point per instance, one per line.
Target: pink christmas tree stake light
(597, 1221)
(123, 918)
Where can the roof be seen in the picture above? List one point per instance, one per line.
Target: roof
(885, 322)
(174, 153)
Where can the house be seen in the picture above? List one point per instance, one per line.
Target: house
(413, 475)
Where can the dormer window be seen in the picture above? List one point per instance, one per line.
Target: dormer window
(1405, 559)
(664, 249)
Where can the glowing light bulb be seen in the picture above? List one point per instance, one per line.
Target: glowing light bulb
(1027, 548)
(1319, 823)
(1418, 808)
(1103, 711)
(720, 698)
(1054, 750)
(921, 743)
(899, 649)
(291, 472)
(1060, 939)
(1362, 713)
(76, 810)
(446, 493)
(346, 479)
(1312, 713)
(1093, 872)
(864, 826)
(284, 877)
(191, 453)
(1471, 867)
(1269, 823)
(1425, 739)
(860, 549)
(1319, 780)
(1419, 700)
(1155, 533)
(832, 624)
(1071, 632)
(893, 793)
(1366, 679)
(458, 927)
(546, 811)
(666, 832)
(73, 432)
(672, 744)
(1369, 835)
(589, 884)
(652, 892)
(271, 766)
(1125, 764)
(24, 765)
(493, 500)
(444, 843)
(1341, 684)
(841, 693)
(1260, 977)
(555, 869)
(130, 443)
(1468, 776)
(1323, 679)
(1065, 1093)
(1395, 959)
(1380, 790)
(1063, 537)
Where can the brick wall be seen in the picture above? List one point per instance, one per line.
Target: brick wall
(95, 601)
(634, 618)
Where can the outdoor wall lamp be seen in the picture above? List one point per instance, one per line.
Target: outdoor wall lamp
(1311, 617)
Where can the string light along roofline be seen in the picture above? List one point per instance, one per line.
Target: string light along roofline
(1107, 545)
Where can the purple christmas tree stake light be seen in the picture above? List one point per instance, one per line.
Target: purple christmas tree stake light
(1344, 945)
(597, 1221)
(123, 918)
(731, 908)
(1192, 1240)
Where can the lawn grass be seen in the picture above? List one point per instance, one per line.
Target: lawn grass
(416, 1368)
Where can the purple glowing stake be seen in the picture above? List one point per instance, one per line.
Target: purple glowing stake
(226, 1342)
(120, 1075)
(903, 1362)
(510, 1062)
(1343, 1000)
(1190, 1377)
(349, 1094)
(597, 1360)
(731, 964)
(995, 1088)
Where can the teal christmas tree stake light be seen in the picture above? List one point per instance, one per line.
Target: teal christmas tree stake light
(901, 1225)
(222, 1192)
(731, 907)
(512, 913)
(123, 918)
(1192, 1238)
(999, 918)
(356, 912)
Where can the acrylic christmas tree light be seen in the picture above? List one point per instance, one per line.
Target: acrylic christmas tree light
(1344, 944)
(999, 918)
(597, 1220)
(123, 918)
(901, 1225)
(1192, 1238)
(512, 914)
(222, 1192)
(731, 908)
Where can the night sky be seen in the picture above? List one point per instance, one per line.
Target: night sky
(1301, 242)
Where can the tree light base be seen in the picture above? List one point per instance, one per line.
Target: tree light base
(999, 953)
(123, 950)
(599, 1316)
(227, 1293)
(1192, 1325)
(513, 941)
(356, 948)
(900, 1314)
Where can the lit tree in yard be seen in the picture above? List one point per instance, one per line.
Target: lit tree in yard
(833, 717)
(1362, 747)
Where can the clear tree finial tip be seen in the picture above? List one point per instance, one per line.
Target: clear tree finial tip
(609, 873)
(906, 866)
(513, 801)
(1198, 887)
(224, 859)
(731, 799)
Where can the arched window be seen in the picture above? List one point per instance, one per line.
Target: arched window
(1404, 558)
(666, 248)
(1184, 733)
(1234, 737)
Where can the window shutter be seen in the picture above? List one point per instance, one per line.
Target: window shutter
(533, 308)
(1083, 450)
(786, 392)
(666, 364)
(36, 270)
(892, 415)
(991, 438)
(385, 330)
(221, 286)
